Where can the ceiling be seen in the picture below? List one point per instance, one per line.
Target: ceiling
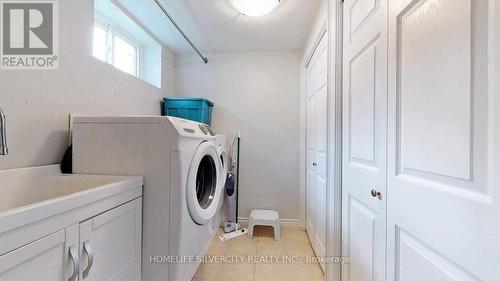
(215, 26)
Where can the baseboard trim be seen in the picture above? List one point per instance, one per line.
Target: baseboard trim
(286, 223)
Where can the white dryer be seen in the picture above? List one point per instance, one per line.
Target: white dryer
(182, 170)
(221, 144)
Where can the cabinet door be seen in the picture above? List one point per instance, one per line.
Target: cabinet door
(110, 245)
(52, 258)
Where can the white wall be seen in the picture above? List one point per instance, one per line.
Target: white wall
(168, 72)
(320, 20)
(37, 103)
(257, 94)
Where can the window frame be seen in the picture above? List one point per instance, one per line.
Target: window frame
(104, 27)
(113, 30)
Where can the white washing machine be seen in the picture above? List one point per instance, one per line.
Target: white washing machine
(182, 169)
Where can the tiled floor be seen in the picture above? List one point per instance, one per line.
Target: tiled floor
(293, 243)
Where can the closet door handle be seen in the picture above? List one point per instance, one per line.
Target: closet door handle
(376, 194)
(76, 263)
(315, 164)
(90, 256)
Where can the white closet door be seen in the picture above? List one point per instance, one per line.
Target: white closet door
(310, 165)
(317, 148)
(321, 138)
(444, 141)
(364, 140)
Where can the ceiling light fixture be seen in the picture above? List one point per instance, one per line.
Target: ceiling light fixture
(255, 8)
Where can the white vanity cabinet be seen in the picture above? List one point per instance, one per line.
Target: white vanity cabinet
(103, 248)
(86, 228)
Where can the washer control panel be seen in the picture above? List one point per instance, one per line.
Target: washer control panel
(206, 130)
(189, 128)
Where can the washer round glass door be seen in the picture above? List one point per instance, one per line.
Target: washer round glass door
(203, 184)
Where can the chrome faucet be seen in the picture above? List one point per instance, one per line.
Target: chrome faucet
(3, 137)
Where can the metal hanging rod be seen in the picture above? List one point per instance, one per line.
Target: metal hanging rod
(204, 58)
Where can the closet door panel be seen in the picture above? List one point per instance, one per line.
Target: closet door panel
(364, 140)
(444, 204)
(310, 170)
(317, 133)
(321, 133)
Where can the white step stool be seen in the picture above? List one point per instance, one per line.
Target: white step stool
(267, 218)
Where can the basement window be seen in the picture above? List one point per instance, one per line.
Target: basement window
(121, 40)
(116, 48)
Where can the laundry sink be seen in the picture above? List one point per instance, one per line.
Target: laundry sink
(31, 194)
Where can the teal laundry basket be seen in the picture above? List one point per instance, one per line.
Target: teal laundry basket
(196, 109)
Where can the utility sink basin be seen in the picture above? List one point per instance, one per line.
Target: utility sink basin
(31, 194)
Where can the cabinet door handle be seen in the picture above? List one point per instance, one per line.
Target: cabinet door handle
(76, 263)
(315, 164)
(90, 256)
